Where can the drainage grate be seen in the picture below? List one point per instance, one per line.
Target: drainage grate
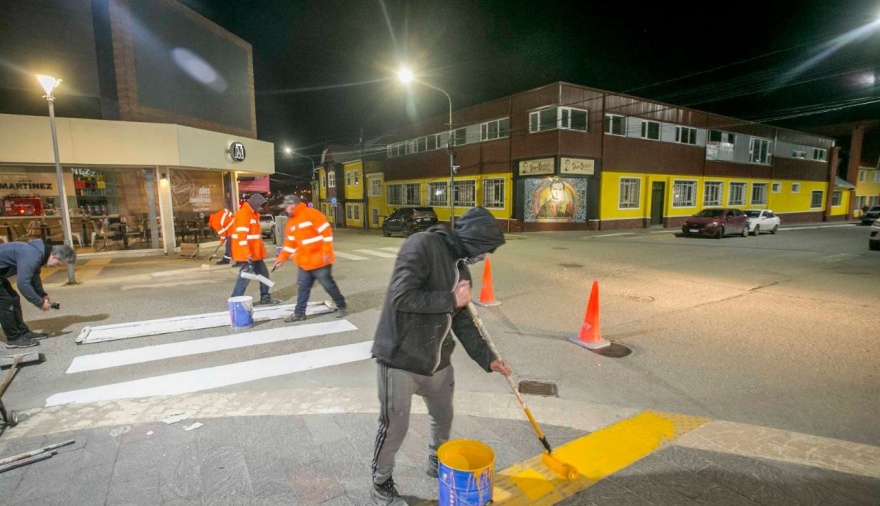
(532, 387)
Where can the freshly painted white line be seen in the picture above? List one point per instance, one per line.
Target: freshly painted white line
(666, 232)
(814, 228)
(376, 253)
(349, 256)
(216, 377)
(173, 283)
(393, 250)
(207, 345)
(609, 235)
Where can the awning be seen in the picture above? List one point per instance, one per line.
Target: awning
(843, 184)
(251, 185)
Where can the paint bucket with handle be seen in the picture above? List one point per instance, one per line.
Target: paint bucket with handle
(241, 311)
(466, 473)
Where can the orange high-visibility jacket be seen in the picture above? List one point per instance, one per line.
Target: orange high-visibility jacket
(309, 238)
(221, 222)
(247, 239)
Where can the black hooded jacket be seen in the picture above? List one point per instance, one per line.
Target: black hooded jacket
(419, 310)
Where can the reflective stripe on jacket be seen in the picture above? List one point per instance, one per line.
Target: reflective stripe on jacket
(221, 222)
(308, 236)
(246, 236)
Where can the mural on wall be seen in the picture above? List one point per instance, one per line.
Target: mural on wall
(556, 200)
(200, 192)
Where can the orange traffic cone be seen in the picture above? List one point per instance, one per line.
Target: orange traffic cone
(487, 295)
(589, 336)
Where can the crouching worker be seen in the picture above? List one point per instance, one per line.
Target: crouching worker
(221, 222)
(24, 261)
(424, 310)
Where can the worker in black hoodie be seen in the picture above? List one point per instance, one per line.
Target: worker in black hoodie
(423, 311)
(24, 260)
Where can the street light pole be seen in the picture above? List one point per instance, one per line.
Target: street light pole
(49, 84)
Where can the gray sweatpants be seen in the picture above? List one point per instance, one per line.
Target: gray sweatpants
(396, 388)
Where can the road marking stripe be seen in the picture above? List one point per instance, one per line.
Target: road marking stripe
(376, 253)
(92, 269)
(393, 250)
(348, 256)
(609, 235)
(206, 345)
(172, 283)
(209, 378)
(813, 228)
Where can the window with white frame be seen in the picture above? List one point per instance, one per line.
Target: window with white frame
(615, 125)
(836, 198)
(459, 137)
(348, 178)
(630, 191)
(421, 144)
(558, 117)
(355, 176)
(712, 193)
(862, 175)
(433, 142)
(722, 137)
(544, 119)
(412, 194)
(799, 154)
(651, 130)
(324, 180)
(777, 187)
(437, 194)
(795, 187)
(877, 176)
(684, 193)
(686, 135)
(573, 119)
(497, 129)
(737, 194)
(759, 150)
(357, 212)
(375, 216)
(493, 193)
(375, 187)
(331, 179)
(816, 199)
(348, 212)
(394, 194)
(820, 154)
(465, 193)
(759, 194)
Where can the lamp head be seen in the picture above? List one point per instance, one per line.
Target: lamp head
(288, 150)
(405, 75)
(48, 83)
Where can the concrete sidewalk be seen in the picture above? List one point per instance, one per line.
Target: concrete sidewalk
(299, 447)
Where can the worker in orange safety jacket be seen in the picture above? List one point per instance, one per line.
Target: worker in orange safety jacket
(221, 222)
(309, 239)
(248, 247)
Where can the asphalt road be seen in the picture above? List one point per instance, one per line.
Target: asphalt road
(776, 330)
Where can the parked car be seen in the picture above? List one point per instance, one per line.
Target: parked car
(408, 220)
(716, 223)
(874, 240)
(871, 215)
(267, 225)
(762, 220)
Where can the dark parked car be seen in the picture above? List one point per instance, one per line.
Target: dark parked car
(871, 215)
(874, 240)
(408, 220)
(717, 223)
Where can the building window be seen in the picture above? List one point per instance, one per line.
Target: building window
(558, 117)
(465, 193)
(799, 154)
(759, 194)
(348, 211)
(459, 137)
(421, 144)
(357, 212)
(356, 177)
(375, 187)
(820, 154)
(433, 142)
(816, 199)
(722, 137)
(331, 179)
(573, 119)
(629, 193)
(542, 120)
(759, 151)
(375, 217)
(712, 193)
(395, 194)
(324, 180)
(795, 187)
(493, 193)
(412, 194)
(497, 129)
(835, 198)
(777, 187)
(615, 125)
(651, 130)
(686, 135)
(737, 194)
(877, 176)
(684, 193)
(437, 194)
(862, 175)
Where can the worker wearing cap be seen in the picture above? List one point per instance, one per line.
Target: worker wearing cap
(248, 247)
(309, 239)
(221, 222)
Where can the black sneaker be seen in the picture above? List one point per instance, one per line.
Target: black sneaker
(30, 334)
(386, 494)
(269, 302)
(295, 318)
(238, 264)
(433, 466)
(223, 262)
(21, 342)
(341, 312)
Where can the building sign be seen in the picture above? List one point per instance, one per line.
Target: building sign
(237, 152)
(39, 184)
(578, 166)
(537, 167)
(555, 200)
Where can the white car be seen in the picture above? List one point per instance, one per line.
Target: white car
(874, 240)
(762, 220)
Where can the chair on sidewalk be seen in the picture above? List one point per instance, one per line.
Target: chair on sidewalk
(105, 234)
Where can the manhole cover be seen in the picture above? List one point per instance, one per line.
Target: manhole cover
(571, 266)
(613, 351)
(533, 387)
(636, 297)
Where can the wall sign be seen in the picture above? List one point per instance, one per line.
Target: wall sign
(579, 166)
(237, 152)
(537, 167)
(40, 184)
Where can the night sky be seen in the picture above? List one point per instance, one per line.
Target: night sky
(324, 70)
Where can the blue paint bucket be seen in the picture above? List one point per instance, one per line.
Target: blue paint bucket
(466, 473)
(241, 311)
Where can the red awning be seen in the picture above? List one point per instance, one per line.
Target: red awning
(253, 185)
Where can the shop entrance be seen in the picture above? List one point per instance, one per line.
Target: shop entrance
(658, 192)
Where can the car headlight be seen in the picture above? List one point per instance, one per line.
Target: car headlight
(712, 224)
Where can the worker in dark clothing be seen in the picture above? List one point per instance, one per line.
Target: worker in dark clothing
(424, 309)
(24, 261)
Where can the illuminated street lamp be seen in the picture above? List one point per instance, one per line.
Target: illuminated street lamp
(406, 76)
(49, 84)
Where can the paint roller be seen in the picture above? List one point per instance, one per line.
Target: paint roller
(247, 273)
(567, 471)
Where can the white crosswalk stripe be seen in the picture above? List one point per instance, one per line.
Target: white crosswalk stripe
(349, 256)
(380, 254)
